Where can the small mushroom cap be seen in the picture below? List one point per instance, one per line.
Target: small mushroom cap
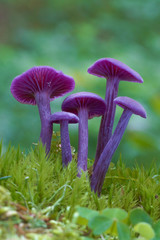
(95, 104)
(109, 67)
(64, 116)
(41, 79)
(132, 105)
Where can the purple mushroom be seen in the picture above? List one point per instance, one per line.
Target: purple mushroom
(40, 85)
(130, 107)
(114, 71)
(64, 118)
(85, 105)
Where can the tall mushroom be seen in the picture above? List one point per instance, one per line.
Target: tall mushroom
(130, 107)
(40, 85)
(114, 71)
(64, 118)
(85, 105)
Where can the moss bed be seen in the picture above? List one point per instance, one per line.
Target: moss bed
(39, 199)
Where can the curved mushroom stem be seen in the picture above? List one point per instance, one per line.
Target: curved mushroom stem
(65, 143)
(43, 103)
(101, 168)
(107, 120)
(82, 140)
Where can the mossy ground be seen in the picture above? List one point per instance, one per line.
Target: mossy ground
(43, 186)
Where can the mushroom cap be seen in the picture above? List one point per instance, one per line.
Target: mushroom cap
(95, 104)
(110, 67)
(41, 79)
(64, 116)
(132, 105)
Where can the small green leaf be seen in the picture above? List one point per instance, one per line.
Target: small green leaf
(87, 213)
(123, 231)
(113, 229)
(139, 215)
(145, 230)
(81, 221)
(156, 228)
(115, 213)
(99, 224)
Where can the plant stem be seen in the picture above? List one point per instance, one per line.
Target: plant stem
(107, 120)
(65, 143)
(43, 103)
(82, 140)
(101, 168)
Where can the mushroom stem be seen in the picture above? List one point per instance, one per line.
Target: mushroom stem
(101, 168)
(107, 120)
(65, 143)
(82, 140)
(43, 103)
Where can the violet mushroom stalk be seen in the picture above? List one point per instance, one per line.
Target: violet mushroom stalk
(114, 71)
(38, 86)
(64, 118)
(130, 107)
(85, 105)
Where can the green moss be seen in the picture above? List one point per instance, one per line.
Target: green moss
(5, 196)
(40, 183)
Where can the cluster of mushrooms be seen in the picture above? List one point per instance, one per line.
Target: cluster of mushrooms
(42, 84)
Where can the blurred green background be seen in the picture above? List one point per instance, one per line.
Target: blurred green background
(71, 35)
